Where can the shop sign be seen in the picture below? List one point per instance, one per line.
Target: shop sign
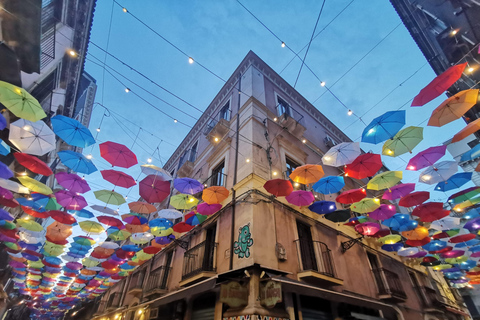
(270, 293)
(234, 294)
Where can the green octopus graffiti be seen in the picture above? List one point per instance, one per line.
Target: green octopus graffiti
(245, 241)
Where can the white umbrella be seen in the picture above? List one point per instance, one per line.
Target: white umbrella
(104, 209)
(70, 258)
(169, 214)
(30, 239)
(109, 245)
(32, 137)
(342, 154)
(141, 238)
(36, 234)
(13, 186)
(406, 252)
(16, 255)
(438, 172)
(150, 169)
(446, 223)
(95, 268)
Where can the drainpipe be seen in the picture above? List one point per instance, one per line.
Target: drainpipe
(232, 235)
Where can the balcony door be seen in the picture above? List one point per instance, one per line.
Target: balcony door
(307, 251)
(209, 254)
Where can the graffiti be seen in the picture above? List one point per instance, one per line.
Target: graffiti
(245, 241)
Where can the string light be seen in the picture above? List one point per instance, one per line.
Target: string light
(283, 44)
(275, 173)
(26, 128)
(190, 60)
(454, 32)
(89, 156)
(124, 10)
(296, 184)
(323, 83)
(350, 112)
(149, 160)
(216, 139)
(140, 311)
(470, 69)
(127, 90)
(304, 141)
(175, 120)
(247, 160)
(98, 129)
(72, 53)
(275, 119)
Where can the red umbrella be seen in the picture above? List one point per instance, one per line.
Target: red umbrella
(300, 198)
(279, 187)
(62, 217)
(381, 233)
(33, 163)
(182, 227)
(462, 238)
(34, 213)
(70, 200)
(367, 228)
(439, 85)
(110, 221)
(430, 211)
(118, 178)
(151, 250)
(154, 190)
(351, 196)
(414, 199)
(418, 243)
(365, 165)
(446, 249)
(117, 154)
(11, 203)
(72, 182)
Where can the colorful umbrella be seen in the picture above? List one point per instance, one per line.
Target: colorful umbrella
(418, 233)
(278, 187)
(390, 239)
(454, 182)
(58, 230)
(307, 174)
(471, 128)
(34, 185)
(342, 154)
(169, 214)
(414, 199)
(462, 238)
(473, 225)
(464, 195)
(365, 205)
(453, 108)
(110, 221)
(72, 182)
(300, 198)
(109, 197)
(214, 194)
(365, 165)
(118, 178)
(400, 222)
(91, 227)
(440, 172)
(142, 207)
(150, 169)
(153, 190)
(82, 213)
(404, 141)
(117, 154)
(29, 225)
(329, 185)
(76, 161)
(119, 235)
(33, 163)
(72, 132)
(439, 85)
(351, 196)
(384, 127)
(384, 212)
(194, 219)
(398, 191)
(62, 217)
(430, 211)
(187, 185)
(385, 180)
(104, 209)
(182, 227)
(471, 154)
(20, 102)
(426, 158)
(367, 228)
(209, 209)
(5, 172)
(32, 137)
(323, 207)
(183, 201)
(4, 148)
(70, 200)
(134, 219)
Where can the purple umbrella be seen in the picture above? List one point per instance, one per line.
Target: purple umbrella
(165, 240)
(300, 198)
(52, 269)
(398, 191)
(419, 254)
(384, 212)
(473, 225)
(4, 215)
(187, 185)
(74, 265)
(70, 200)
(208, 209)
(426, 158)
(72, 182)
(4, 238)
(6, 194)
(16, 264)
(5, 171)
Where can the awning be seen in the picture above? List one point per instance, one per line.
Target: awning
(460, 312)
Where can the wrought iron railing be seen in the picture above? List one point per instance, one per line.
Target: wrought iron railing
(429, 297)
(388, 283)
(47, 42)
(286, 111)
(316, 256)
(216, 179)
(114, 300)
(158, 279)
(136, 282)
(202, 257)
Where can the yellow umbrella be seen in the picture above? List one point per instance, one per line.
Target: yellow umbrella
(453, 108)
(404, 141)
(91, 227)
(466, 204)
(29, 225)
(419, 233)
(365, 205)
(385, 180)
(36, 264)
(34, 185)
(183, 201)
(161, 232)
(456, 260)
(309, 173)
(442, 267)
(390, 239)
(20, 102)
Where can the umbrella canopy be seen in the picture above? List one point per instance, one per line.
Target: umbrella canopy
(72, 182)
(404, 141)
(351, 196)
(384, 127)
(142, 207)
(323, 207)
(5, 172)
(439, 85)
(454, 182)
(278, 187)
(208, 209)
(70, 200)
(109, 197)
(365, 165)
(118, 178)
(342, 154)
(169, 214)
(338, 216)
(430, 211)
(134, 219)
(471, 128)
(300, 198)
(414, 199)
(440, 172)
(328, 185)
(194, 219)
(183, 201)
(464, 195)
(471, 154)
(119, 235)
(20, 102)
(367, 228)
(214, 194)
(418, 233)
(82, 213)
(104, 209)
(152, 189)
(426, 158)
(453, 108)
(398, 191)
(4, 148)
(117, 154)
(33, 163)
(91, 227)
(72, 131)
(62, 217)
(472, 225)
(32, 137)
(365, 205)
(58, 231)
(306, 174)
(384, 212)
(29, 225)
(182, 227)
(187, 185)
(385, 180)
(35, 185)
(76, 161)
(150, 169)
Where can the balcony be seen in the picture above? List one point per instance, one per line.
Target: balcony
(216, 130)
(186, 163)
(99, 308)
(431, 300)
(199, 263)
(290, 119)
(136, 283)
(389, 285)
(157, 281)
(113, 301)
(316, 263)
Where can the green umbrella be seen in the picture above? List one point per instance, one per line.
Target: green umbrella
(183, 201)
(404, 141)
(13, 246)
(8, 225)
(87, 262)
(53, 249)
(466, 196)
(119, 235)
(20, 102)
(52, 204)
(35, 264)
(456, 260)
(365, 205)
(385, 180)
(109, 197)
(29, 225)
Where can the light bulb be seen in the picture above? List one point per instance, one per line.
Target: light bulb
(205, 185)
(127, 90)
(283, 44)
(247, 160)
(175, 120)
(372, 130)
(304, 141)
(275, 119)
(26, 128)
(389, 151)
(411, 167)
(470, 70)
(149, 160)
(350, 112)
(191, 199)
(124, 10)
(454, 32)
(98, 129)
(72, 53)
(190, 60)
(296, 184)
(216, 139)
(89, 156)
(323, 83)
(126, 197)
(140, 311)
(275, 173)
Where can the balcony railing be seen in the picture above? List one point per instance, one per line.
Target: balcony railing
(216, 179)
(284, 112)
(315, 256)
(114, 300)
(388, 283)
(158, 279)
(99, 307)
(136, 282)
(201, 258)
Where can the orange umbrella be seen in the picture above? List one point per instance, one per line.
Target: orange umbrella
(453, 108)
(309, 173)
(142, 207)
(87, 272)
(472, 127)
(132, 228)
(103, 251)
(59, 231)
(213, 195)
(477, 168)
(418, 233)
(18, 259)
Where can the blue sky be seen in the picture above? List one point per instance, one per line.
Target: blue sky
(219, 34)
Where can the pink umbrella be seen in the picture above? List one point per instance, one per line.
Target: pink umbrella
(475, 254)
(72, 182)
(118, 178)
(154, 190)
(384, 212)
(453, 254)
(300, 198)
(117, 154)
(426, 158)
(6, 194)
(70, 200)
(208, 209)
(367, 228)
(398, 191)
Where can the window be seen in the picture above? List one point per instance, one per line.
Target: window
(218, 176)
(225, 112)
(283, 107)
(193, 153)
(416, 286)
(292, 165)
(172, 173)
(307, 251)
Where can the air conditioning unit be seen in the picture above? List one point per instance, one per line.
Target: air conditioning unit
(329, 142)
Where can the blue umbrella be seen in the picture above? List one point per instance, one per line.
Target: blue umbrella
(31, 204)
(82, 213)
(392, 247)
(323, 207)
(435, 245)
(53, 260)
(5, 171)
(3, 122)
(474, 249)
(4, 148)
(130, 247)
(77, 162)
(397, 221)
(165, 239)
(328, 185)
(384, 127)
(471, 154)
(4, 215)
(469, 264)
(72, 132)
(160, 223)
(454, 182)
(468, 243)
(407, 226)
(187, 185)
(471, 214)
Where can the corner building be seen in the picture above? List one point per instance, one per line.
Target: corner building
(260, 257)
